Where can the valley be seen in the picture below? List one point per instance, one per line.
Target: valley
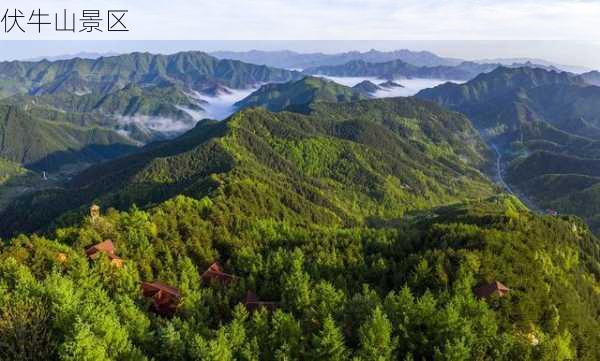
(545, 132)
(381, 205)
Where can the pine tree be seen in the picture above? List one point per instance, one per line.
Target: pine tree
(376, 337)
(328, 344)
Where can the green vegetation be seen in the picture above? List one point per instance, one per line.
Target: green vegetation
(298, 95)
(368, 225)
(547, 124)
(47, 145)
(345, 163)
(144, 114)
(9, 169)
(399, 292)
(128, 101)
(77, 111)
(191, 70)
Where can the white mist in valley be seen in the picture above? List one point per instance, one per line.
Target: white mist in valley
(410, 86)
(216, 107)
(148, 124)
(221, 106)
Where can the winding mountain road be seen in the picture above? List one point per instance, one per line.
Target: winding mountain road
(531, 205)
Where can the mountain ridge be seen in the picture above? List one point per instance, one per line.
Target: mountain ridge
(370, 139)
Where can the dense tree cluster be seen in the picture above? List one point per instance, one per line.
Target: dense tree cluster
(389, 293)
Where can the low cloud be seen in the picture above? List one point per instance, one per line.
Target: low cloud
(221, 106)
(150, 124)
(410, 86)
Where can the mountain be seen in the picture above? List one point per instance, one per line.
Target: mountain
(547, 125)
(131, 100)
(46, 145)
(396, 69)
(361, 230)
(390, 84)
(494, 85)
(591, 77)
(191, 70)
(142, 113)
(525, 104)
(388, 155)
(298, 95)
(294, 60)
(422, 287)
(60, 116)
(548, 65)
(366, 87)
(409, 286)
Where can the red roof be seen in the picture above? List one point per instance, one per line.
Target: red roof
(214, 273)
(252, 302)
(489, 289)
(151, 288)
(165, 298)
(105, 247)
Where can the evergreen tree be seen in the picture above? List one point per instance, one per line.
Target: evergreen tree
(328, 344)
(375, 336)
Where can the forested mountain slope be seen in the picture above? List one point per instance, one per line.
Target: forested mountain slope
(367, 229)
(343, 163)
(42, 144)
(404, 291)
(547, 122)
(298, 95)
(193, 70)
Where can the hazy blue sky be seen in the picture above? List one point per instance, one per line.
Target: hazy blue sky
(574, 21)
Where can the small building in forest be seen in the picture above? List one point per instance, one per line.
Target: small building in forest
(106, 247)
(252, 303)
(165, 298)
(490, 289)
(215, 273)
(94, 212)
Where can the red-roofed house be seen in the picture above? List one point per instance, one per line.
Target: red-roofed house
(253, 303)
(494, 288)
(165, 298)
(215, 273)
(106, 247)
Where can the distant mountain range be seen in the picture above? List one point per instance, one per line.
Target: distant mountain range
(591, 77)
(193, 70)
(547, 125)
(294, 60)
(398, 69)
(547, 64)
(63, 111)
